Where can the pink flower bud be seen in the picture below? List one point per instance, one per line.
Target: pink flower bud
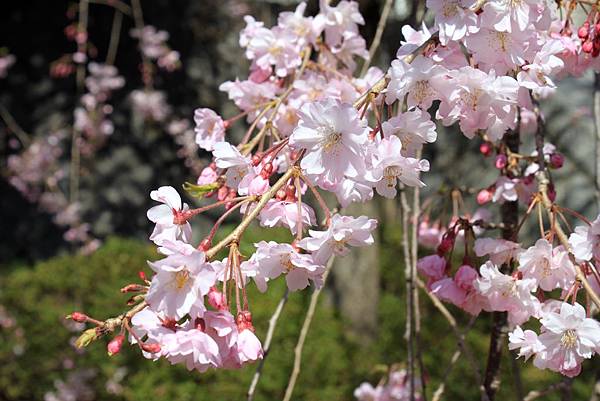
(151, 348)
(114, 346)
(501, 161)
(584, 31)
(267, 170)
(484, 196)
(216, 299)
(280, 195)
(486, 148)
(557, 160)
(256, 159)
(551, 193)
(447, 243)
(222, 193)
(142, 275)
(587, 46)
(78, 317)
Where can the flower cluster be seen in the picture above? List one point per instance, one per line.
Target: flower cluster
(314, 127)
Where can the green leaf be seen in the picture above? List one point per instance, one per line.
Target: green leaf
(198, 191)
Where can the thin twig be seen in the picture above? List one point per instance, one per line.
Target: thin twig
(13, 126)
(303, 332)
(535, 394)
(378, 34)
(409, 334)
(267, 345)
(115, 35)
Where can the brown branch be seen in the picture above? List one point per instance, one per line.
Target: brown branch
(264, 198)
(314, 298)
(267, 345)
(378, 34)
(597, 135)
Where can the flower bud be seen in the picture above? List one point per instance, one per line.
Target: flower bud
(222, 193)
(557, 160)
(114, 346)
(484, 196)
(486, 148)
(501, 161)
(78, 317)
(216, 299)
(446, 244)
(267, 170)
(584, 31)
(256, 159)
(587, 46)
(142, 275)
(151, 348)
(551, 192)
(280, 195)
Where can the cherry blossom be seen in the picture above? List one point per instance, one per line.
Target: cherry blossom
(333, 136)
(170, 224)
(568, 338)
(181, 280)
(585, 241)
(210, 128)
(343, 230)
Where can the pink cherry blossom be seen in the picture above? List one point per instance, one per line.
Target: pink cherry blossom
(285, 214)
(414, 128)
(453, 18)
(168, 226)
(507, 293)
(181, 281)
(333, 135)
(228, 157)
(390, 167)
(272, 260)
(343, 230)
(568, 338)
(550, 267)
(210, 128)
(526, 341)
(415, 80)
(585, 241)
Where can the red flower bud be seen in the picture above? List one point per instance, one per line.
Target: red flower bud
(142, 275)
(486, 148)
(151, 348)
(501, 161)
(256, 159)
(280, 195)
(557, 160)
(78, 317)
(267, 170)
(587, 46)
(114, 346)
(484, 196)
(584, 31)
(551, 193)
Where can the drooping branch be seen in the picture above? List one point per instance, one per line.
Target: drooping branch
(314, 299)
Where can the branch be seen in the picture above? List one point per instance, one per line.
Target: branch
(239, 230)
(378, 34)
(303, 332)
(267, 345)
(459, 336)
